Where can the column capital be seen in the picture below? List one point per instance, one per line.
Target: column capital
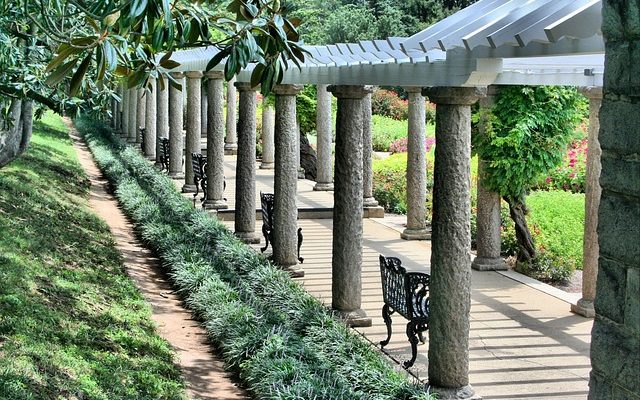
(350, 91)
(246, 87)
(413, 89)
(194, 74)
(454, 95)
(177, 75)
(287, 90)
(591, 92)
(214, 74)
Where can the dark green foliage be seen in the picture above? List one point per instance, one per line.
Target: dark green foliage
(306, 109)
(72, 323)
(527, 135)
(281, 340)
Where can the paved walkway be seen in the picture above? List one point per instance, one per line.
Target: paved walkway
(524, 343)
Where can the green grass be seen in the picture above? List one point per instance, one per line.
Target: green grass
(72, 324)
(557, 221)
(386, 130)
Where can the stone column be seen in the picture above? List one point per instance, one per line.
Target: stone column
(133, 113)
(451, 243)
(215, 142)
(140, 113)
(324, 179)
(488, 212)
(346, 286)
(176, 145)
(416, 168)
(268, 126)
(204, 107)
(124, 120)
(231, 139)
(372, 208)
(150, 120)
(615, 338)
(162, 121)
(593, 191)
(194, 134)
(285, 209)
(301, 173)
(245, 218)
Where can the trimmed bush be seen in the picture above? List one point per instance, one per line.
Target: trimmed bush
(280, 340)
(571, 174)
(388, 104)
(385, 131)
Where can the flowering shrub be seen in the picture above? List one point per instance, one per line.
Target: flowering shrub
(390, 184)
(570, 175)
(401, 145)
(387, 103)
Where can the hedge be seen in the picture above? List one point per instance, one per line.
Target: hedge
(281, 341)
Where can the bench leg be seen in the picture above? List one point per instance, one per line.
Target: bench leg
(386, 316)
(265, 232)
(300, 244)
(203, 185)
(195, 195)
(413, 339)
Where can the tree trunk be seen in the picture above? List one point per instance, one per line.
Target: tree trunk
(526, 246)
(15, 133)
(308, 158)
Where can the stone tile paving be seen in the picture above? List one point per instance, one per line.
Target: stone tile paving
(524, 344)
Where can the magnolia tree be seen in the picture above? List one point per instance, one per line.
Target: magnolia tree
(525, 135)
(67, 55)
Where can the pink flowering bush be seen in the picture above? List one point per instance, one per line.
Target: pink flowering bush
(388, 104)
(570, 175)
(401, 145)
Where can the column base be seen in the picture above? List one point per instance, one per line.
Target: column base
(301, 173)
(584, 307)
(230, 149)
(131, 140)
(370, 202)
(416, 234)
(355, 319)
(295, 271)
(323, 186)
(176, 175)
(248, 237)
(374, 212)
(463, 393)
(267, 165)
(489, 264)
(189, 188)
(215, 205)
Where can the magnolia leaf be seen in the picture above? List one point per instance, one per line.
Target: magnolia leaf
(78, 76)
(111, 19)
(60, 73)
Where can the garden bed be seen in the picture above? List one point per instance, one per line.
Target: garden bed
(280, 340)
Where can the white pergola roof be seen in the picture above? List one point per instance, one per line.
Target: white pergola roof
(502, 42)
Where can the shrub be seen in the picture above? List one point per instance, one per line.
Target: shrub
(390, 184)
(570, 175)
(401, 145)
(283, 343)
(306, 108)
(385, 131)
(388, 104)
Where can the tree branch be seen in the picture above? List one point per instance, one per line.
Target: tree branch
(11, 91)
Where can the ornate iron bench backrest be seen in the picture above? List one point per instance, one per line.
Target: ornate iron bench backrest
(164, 153)
(198, 164)
(266, 201)
(405, 292)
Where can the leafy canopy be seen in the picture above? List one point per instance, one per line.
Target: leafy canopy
(527, 132)
(61, 52)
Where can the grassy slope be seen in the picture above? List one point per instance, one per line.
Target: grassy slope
(72, 324)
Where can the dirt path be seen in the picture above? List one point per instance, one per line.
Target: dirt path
(203, 371)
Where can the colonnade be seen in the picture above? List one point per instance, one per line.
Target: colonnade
(450, 259)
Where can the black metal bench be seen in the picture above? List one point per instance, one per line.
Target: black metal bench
(143, 132)
(266, 201)
(199, 165)
(406, 293)
(164, 154)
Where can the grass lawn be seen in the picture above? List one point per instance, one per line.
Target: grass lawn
(72, 324)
